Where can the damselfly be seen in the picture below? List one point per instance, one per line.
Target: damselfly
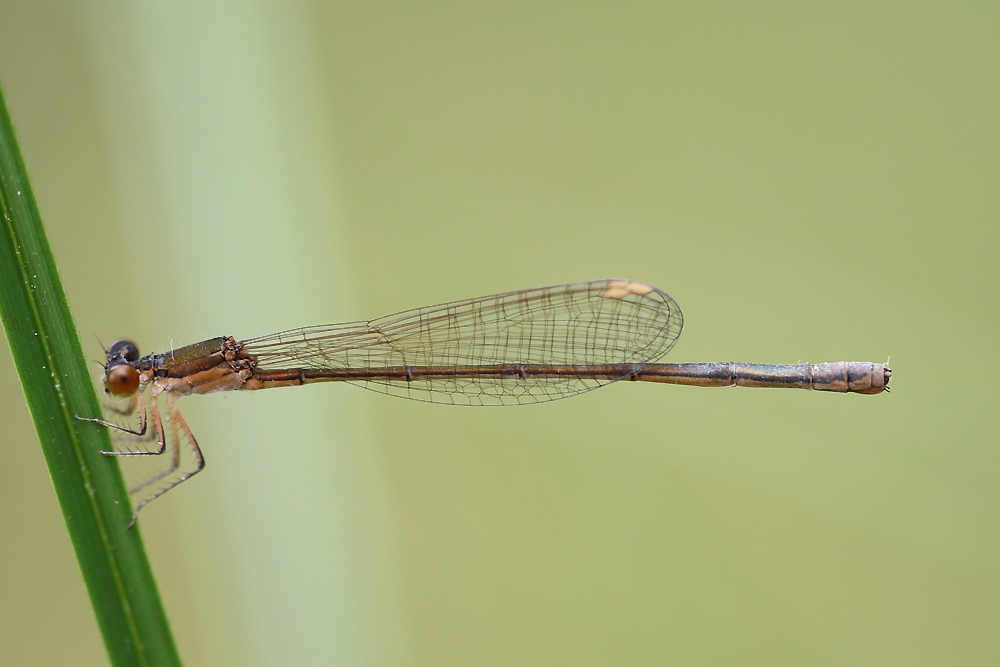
(508, 349)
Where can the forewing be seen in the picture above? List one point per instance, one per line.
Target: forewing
(576, 324)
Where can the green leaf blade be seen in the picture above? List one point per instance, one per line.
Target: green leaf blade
(53, 371)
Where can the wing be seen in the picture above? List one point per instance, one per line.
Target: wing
(589, 323)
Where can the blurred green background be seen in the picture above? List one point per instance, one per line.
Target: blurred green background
(811, 182)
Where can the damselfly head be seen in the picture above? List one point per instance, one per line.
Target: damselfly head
(120, 375)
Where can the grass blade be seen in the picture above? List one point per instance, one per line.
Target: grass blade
(57, 385)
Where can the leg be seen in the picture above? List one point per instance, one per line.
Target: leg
(124, 412)
(142, 417)
(178, 470)
(142, 435)
(128, 444)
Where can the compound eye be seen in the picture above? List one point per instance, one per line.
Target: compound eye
(124, 349)
(122, 380)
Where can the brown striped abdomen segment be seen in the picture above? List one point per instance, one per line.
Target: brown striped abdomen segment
(859, 377)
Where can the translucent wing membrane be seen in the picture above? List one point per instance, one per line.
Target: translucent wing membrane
(592, 323)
